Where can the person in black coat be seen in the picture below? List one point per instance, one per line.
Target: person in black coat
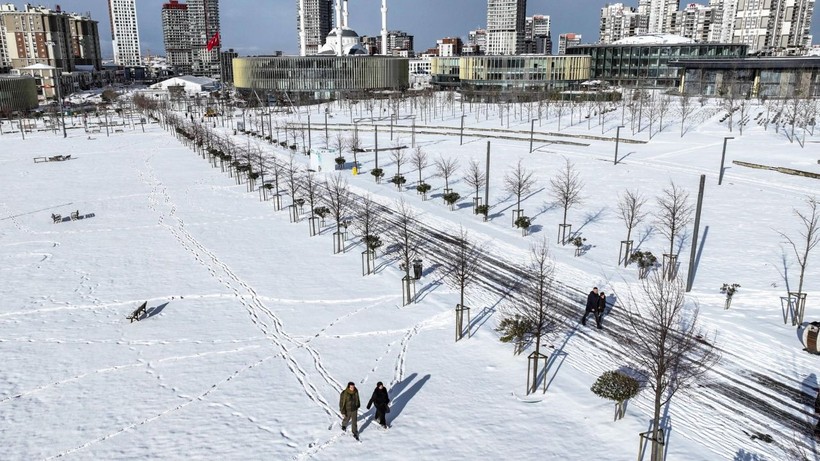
(599, 311)
(592, 304)
(381, 400)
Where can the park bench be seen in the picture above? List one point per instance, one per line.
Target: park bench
(138, 313)
(75, 215)
(118, 130)
(55, 218)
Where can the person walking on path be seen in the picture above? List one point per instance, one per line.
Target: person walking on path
(381, 400)
(349, 407)
(592, 304)
(599, 311)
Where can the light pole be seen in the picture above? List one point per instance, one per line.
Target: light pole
(58, 85)
(617, 141)
(532, 131)
(461, 132)
(723, 159)
(309, 143)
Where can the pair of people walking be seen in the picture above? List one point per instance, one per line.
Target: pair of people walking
(596, 304)
(349, 404)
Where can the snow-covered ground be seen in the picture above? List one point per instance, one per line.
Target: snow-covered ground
(254, 327)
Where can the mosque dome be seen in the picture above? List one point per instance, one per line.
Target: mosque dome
(350, 43)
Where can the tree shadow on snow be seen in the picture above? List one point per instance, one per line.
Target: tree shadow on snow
(743, 455)
(591, 218)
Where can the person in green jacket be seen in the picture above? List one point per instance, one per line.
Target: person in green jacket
(349, 407)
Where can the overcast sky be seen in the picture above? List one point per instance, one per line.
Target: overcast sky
(263, 26)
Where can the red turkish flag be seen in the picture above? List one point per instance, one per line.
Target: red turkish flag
(213, 42)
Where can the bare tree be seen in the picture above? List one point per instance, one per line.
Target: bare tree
(419, 160)
(368, 225)
(728, 96)
(338, 142)
(475, 177)
(685, 108)
(532, 313)
(355, 146)
(793, 106)
(663, 102)
(807, 238)
(339, 200)
(630, 206)
(404, 234)
(462, 260)
(665, 342)
(518, 182)
(772, 106)
(446, 167)
(674, 215)
(399, 156)
(566, 187)
(292, 172)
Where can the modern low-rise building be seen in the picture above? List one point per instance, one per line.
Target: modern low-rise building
(510, 73)
(644, 60)
(770, 77)
(310, 78)
(18, 93)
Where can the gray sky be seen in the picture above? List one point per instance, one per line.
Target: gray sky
(264, 26)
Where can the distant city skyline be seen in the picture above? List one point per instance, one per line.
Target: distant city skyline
(254, 27)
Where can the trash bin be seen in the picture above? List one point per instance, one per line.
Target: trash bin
(417, 267)
(355, 171)
(810, 337)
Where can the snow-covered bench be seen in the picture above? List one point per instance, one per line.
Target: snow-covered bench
(138, 313)
(55, 218)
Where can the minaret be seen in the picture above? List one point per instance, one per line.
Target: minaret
(302, 33)
(338, 28)
(345, 15)
(384, 27)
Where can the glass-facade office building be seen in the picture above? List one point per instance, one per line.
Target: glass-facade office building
(769, 77)
(510, 73)
(17, 94)
(647, 65)
(309, 78)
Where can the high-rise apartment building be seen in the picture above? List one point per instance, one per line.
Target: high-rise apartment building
(176, 35)
(226, 58)
(537, 34)
(505, 26)
(203, 19)
(476, 42)
(696, 22)
(659, 15)
(399, 40)
(37, 35)
(567, 40)
(724, 13)
(318, 23)
(773, 26)
(124, 32)
(85, 41)
(5, 60)
(618, 21)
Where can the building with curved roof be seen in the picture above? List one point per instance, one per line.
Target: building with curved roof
(319, 77)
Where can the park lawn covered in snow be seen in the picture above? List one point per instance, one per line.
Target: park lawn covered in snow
(254, 327)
